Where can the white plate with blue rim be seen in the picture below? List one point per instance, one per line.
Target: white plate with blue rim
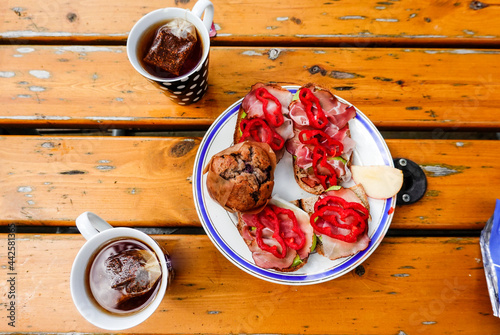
(220, 225)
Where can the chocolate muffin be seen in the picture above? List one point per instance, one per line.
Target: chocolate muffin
(241, 178)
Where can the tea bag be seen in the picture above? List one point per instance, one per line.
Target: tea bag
(134, 272)
(172, 45)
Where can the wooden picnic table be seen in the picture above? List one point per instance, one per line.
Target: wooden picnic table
(427, 74)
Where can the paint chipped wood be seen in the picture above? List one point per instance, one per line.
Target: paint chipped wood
(84, 80)
(145, 181)
(336, 22)
(409, 273)
(134, 181)
(442, 170)
(96, 87)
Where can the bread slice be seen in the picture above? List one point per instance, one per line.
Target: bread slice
(242, 113)
(301, 174)
(303, 220)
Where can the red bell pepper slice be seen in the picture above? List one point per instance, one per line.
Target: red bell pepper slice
(299, 234)
(275, 117)
(322, 221)
(318, 137)
(271, 217)
(316, 119)
(320, 160)
(268, 214)
(324, 147)
(332, 200)
(258, 130)
(356, 227)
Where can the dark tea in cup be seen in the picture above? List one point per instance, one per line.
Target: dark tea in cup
(125, 263)
(124, 276)
(170, 49)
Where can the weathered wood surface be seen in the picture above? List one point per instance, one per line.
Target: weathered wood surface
(135, 181)
(64, 65)
(408, 285)
(96, 87)
(140, 181)
(283, 22)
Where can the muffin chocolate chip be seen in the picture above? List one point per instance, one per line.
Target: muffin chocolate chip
(241, 178)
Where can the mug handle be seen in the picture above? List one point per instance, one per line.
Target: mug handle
(90, 224)
(207, 7)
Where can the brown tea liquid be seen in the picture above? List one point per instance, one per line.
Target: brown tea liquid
(144, 45)
(117, 300)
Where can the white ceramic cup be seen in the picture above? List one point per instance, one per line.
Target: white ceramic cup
(98, 233)
(190, 87)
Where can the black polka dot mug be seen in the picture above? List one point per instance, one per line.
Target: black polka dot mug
(186, 88)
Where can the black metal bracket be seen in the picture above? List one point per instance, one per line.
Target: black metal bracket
(414, 181)
(119, 132)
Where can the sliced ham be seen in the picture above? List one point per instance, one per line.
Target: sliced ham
(349, 194)
(342, 135)
(337, 112)
(338, 115)
(286, 129)
(253, 106)
(335, 249)
(265, 259)
(304, 156)
(304, 159)
(298, 115)
(331, 130)
(293, 143)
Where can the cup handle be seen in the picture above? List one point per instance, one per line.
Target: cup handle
(90, 224)
(207, 7)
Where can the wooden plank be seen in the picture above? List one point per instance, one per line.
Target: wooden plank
(96, 87)
(454, 171)
(256, 21)
(135, 181)
(408, 285)
(145, 181)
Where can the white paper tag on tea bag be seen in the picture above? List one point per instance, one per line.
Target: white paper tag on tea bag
(182, 29)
